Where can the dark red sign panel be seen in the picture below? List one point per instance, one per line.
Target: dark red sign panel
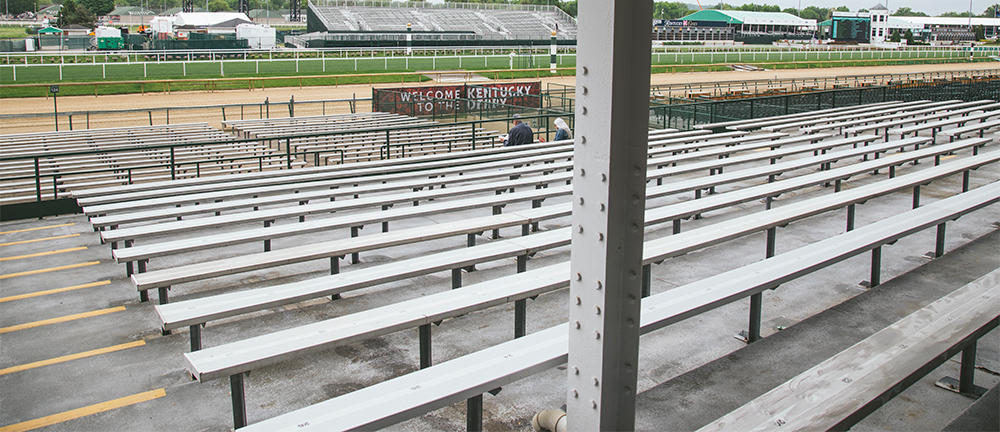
(445, 100)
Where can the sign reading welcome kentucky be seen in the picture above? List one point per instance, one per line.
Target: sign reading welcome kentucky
(445, 100)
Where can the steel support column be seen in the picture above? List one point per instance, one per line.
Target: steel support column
(612, 94)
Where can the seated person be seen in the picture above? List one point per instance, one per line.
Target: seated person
(520, 134)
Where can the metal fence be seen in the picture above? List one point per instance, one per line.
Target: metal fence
(71, 120)
(688, 115)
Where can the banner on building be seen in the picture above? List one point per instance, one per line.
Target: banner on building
(456, 99)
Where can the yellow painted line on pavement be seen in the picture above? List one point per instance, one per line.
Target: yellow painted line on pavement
(948, 157)
(43, 254)
(76, 356)
(53, 291)
(38, 228)
(61, 319)
(85, 411)
(38, 240)
(50, 269)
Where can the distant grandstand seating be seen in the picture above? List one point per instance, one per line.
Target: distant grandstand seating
(488, 21)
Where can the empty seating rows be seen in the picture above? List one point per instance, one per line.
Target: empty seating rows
(365, 137)
(98, 157)
(492, 23)
(519, 287)
(518, 358)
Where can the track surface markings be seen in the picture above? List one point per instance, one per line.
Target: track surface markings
(61, 319)
(38, 240)
(53, 291)
(43, 253)
(76, 356)
(85, 411)
(38, 228)
(50, 269)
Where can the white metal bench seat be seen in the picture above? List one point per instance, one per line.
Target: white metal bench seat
(146, 252)
(936, 126)
(698, 184)
(837, 393)
(828, 111)
(811, 118)
(973, 128)
(847, 116)
(923, 117)
(420, 392)
(657, 250)
(930, 108)
(201, 310)
(195, 185)
(162, 279)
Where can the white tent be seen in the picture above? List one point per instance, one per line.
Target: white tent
(207, 19)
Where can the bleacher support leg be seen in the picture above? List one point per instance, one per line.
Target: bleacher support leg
(939, 244)
(756, 301)
(474, 414)
(876, 277)
(425, 346)
(967, 373)
(142, 266)
(850, 217)
(520, 317)
(267, 243)
(195, 337)
(143, 296)
(470, 242)
(497, 210)
(522, 263)
(535, 204)
(355, 257)
(965, 181)
(916, 196)
(162, 295)
(647, 280)
(772, 234)
(456, 278)
(239, 401)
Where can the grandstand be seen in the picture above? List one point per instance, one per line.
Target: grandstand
(485, 20)
(360, 261)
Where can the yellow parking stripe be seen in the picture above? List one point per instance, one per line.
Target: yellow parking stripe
(76, 356)
(53, 291)
(36, 229)
(50, 269)
(57, 320)
(43, 253)
(85, 411)
(38, 240)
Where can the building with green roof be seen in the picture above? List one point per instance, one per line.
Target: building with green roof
(755, 22)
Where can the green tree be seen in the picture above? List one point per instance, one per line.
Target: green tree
(980, 32)
(955, 14)
(669, 10)
(842, 9)
(905, 11)
(908, 36)
(17, 7)
(99, 7)
(895, 36)
(569, 7)
(219, 6)
(74, 13)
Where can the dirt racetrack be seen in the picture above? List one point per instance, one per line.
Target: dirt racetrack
(215, 116)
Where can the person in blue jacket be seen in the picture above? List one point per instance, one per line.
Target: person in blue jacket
(520, 134)
(563, 133)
